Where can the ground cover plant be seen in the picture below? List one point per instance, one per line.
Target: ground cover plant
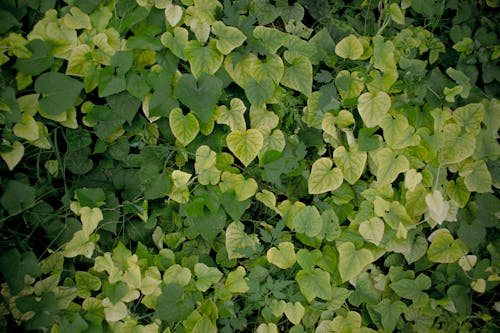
(249, 166)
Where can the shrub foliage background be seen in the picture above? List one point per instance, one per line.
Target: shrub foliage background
(254, 165)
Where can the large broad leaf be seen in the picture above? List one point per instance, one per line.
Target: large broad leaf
(298, 75)
(323, 178)
(373, 106)
(445, 249)
(41, 59)
(90, 218)
(350, 47)
(349, 85)
(245, 145)
(184, 127)
(203, 59)
(390, 313)
(229, 38)
(413, 289)
(283, 256)
(314, 284)
(352, 163)
(200, 96)
(17, 196)
(351, 261)
(172, 306)
(308, 221)
(59, 92)
(479, 179)
(238, 243)
(204, 325)
(267, 328)
(389, 166)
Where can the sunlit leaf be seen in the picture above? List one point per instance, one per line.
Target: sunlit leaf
(13, 157)
(308, 221)
(438, 208)
(352, 262)
(397, 133)
(350, 47)
(177, 274)
(245, 145)
(323, 177)
(314, 284)
(283, 256)
(239, 244)
(236, 282)
(298, 75)
(90, 219)
(206, 276)
(234, 116)
(372, 230)
(389, 165)
(203, 58)
(184, 127)
(444, 248)
(373, 106)
(294, 312)
(229, 38)
(352, 163)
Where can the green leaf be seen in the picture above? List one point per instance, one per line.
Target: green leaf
(15, 266)
(479, 178)
(413, 289)
(184, 127)
(80, 244)
(206, 276)
(40, 59)
(86, 282)
(372, 230)
(390, 313)
(109, 83)
(314, 284)
(90, 197)
(258, 92)
(17, 197)
(308, 221)
(59, 92)
(396, 13)
(203, 59)
(177, 42)
(27, 128)
(294, 312)
(209, 225)
(200, 95)
(298, 75)
(236, 282)
(352, 262)
(373, 106)
(443, 248)
(350, 85)
(245, 145)
(389, 166)
(238, 243)
(172, 305)
(351, 163)
(323, 177)
(14, 156)
(283, 256)
(229, 38)
(267, 328)
(350, 47)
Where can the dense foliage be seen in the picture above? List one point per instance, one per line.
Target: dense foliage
(253, 165)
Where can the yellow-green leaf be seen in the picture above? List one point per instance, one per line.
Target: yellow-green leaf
(350, 47)
(373, 106)
(323, 177)
(352, 163)
(372, 230)
(351, 261)
(90, 218)
(283, 256)
(184, 127)
(294, 312)
(245, 145)
(234, 116)
(389, 165)
(229, 38)
(13, 157)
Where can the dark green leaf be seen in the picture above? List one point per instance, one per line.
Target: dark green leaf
(59, 92)
(172, 306)
(90, 197)
(109, 83)
(17, 196)
(15, 266)
(40, 60)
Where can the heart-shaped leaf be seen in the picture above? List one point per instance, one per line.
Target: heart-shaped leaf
(229, 38)
(323, 178)
(90, 219)
(372, 230)
(238, 243)
(203, 58)
(438, 208)
(350, 47)
(184, 127)
(444, 249)
(308, 221)
(351, 261)
(234, 116)
(373, 106)
(200, 96)
(298, 74)
(389, 166)
(352, 163)
(245, 145)
(13, 157)
(283, 256)
(314, 284)
(294, 312)
(206, 276)
(173, 14)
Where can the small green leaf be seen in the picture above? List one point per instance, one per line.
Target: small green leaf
(176, 42)
(258, 92)
(184, 127)
(245, 145)
(86, 282)
(350, 47)
(397, 133)
(283, 256)
(323, 178)
(479, 179)
(59, 92)
(17, 196)
(206, 276)
(351, 163)
(238, 243)
(351, 261)
(14, 156)
(443, 248)
(373, 106)
(314, 284)
(229, 38)
(234, 116)
(204, 325)
(308, 221)
(396, 13)
(176, 274)
(267, 328)
(390, 313)
(413, 289)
